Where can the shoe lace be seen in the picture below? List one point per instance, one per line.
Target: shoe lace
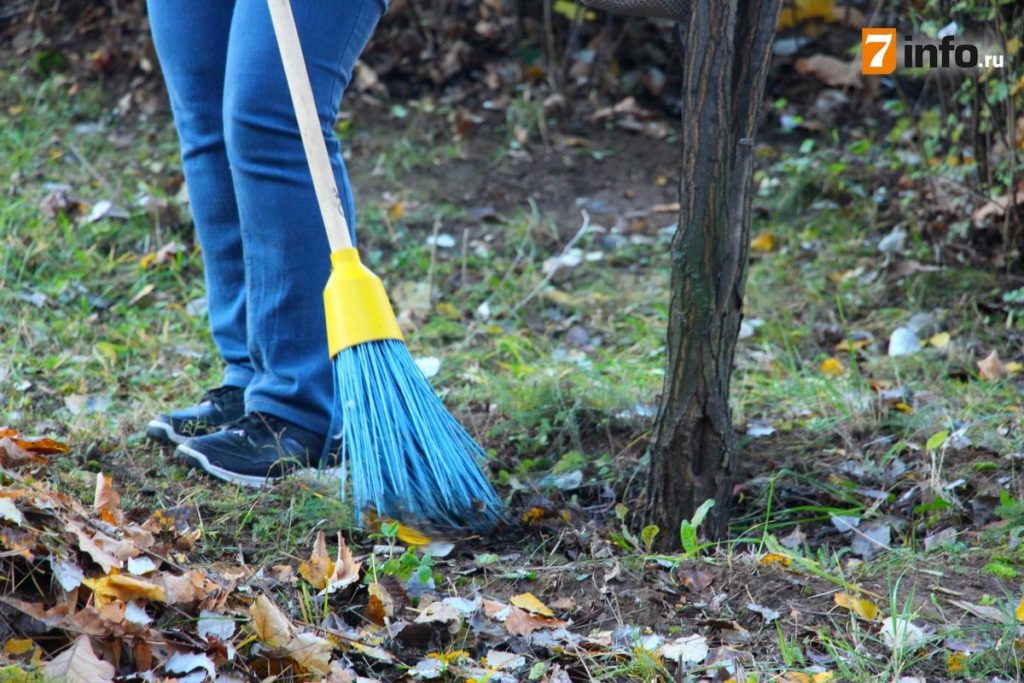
(255, 422)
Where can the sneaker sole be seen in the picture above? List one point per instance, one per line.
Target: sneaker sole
(164, 433)
(196, 459)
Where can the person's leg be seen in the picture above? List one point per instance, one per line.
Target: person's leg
(191, 38)
(284, 244)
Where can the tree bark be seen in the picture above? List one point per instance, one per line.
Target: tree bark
(726, 45)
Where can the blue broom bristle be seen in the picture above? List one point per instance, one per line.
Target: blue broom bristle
(410, 459)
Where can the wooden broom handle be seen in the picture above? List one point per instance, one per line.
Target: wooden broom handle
(309, 124)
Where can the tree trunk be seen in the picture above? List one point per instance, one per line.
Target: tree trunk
(725, 46)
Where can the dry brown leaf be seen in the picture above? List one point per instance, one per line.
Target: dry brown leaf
(79, 664)
(995, 208)
(830, 70)
(530, 603)
(188, 587)
(270, 624)
(94, 548)
(991, 368)
(312, 652)
(345, 570)
(12, 455)
(37, 446)
(376, 609)
(125, 588)
(521, 623)
(106, 502)
(319, 568)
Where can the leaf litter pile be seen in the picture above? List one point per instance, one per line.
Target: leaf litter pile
(94, 592)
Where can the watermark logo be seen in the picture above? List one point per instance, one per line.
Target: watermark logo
(879, 52)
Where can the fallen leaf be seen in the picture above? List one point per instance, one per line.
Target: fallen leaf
(312, 652)
(991, 368)
(10, 512)
(1019, 612)
(319, 567)
(830, 70)
(775, 558)
(865, 609)
(40, 446)
(688, 649)
(124, 588)
(763, 242)
(769, 615)
(940, 340)
(412, 536)
(871, 540)
(903, 342)
(18, 646)
(519, 622)
(106, 502)
(901, 634)
(269, 623)
(212, 624)
(346, 569)
(440, 611)
(79, 664)
(832, 367)
(187, 662)
(530, 603)
(93, 548)
(13, 456)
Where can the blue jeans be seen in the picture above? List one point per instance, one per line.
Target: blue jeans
(264, 248)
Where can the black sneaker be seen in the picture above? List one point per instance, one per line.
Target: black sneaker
(255, 450)
(215, 409)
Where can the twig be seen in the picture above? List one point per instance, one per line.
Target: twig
(464, 274)
(557, 264)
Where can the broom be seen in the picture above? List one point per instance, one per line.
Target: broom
(410, 460)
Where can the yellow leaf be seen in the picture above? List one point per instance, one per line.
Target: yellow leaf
(832, 367)
(803, 10)
(763, 242)
(448, 310)
(1019, 612)
(448, 657)
(530, 603)
(956, 663)
(940, 340)
(823, 677)
(319, 567)
(903, 407)
(124, 588)
(396, 211)
(568, 9)
(773, 558)
(147, 260)
(408, 534)
(856, 344)
(865, 609)
(794, 677)
(17, 646)
(1013, 368)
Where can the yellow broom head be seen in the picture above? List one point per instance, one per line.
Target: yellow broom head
(357, 307)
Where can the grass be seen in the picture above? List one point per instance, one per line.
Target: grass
(92, 317)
